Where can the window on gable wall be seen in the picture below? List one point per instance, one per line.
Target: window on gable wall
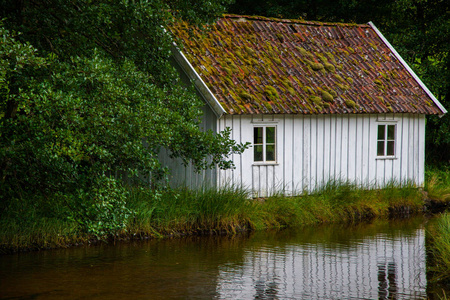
(386, 140)
(264, 145)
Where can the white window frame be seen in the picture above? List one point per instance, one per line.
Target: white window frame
(264, 145)
(386, 140)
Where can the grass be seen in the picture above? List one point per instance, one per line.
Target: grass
(187, 211)
(437, 184)
(438, 188)
(439, 249)
(336, 202)
(230, 209)
(32, 223)
(36, 223)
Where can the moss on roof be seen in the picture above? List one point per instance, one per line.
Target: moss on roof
(266, 65)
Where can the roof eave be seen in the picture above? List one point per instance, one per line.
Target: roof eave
(413, 74)
(203, 89)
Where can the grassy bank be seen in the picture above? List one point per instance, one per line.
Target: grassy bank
(41, 223)
(230, 209)
(437, 184)
(38, 223)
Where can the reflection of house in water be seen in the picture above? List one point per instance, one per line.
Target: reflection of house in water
(378, 267)
(387, 285)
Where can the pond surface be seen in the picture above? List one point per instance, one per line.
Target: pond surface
(382, 260)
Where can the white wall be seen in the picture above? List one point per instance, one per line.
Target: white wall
(180, 175)
(314, 149)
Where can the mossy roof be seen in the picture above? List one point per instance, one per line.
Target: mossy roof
(257, 65)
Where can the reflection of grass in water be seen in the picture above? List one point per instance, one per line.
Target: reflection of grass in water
(337, 235)
(439, 249)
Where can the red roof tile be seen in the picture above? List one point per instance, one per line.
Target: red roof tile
(256, 65)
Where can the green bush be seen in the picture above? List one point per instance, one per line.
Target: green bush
(101, 210)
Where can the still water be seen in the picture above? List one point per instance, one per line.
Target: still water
(381, 260)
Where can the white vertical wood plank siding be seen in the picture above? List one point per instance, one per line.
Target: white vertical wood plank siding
(313, 153)
(359, 149)
(262, 184)
(365, 148)
(327, 149)
(403, 150)
(312, 150)
(339, 140)
(421, 151)
(305, 182)
(411, 148)
(288, 156)
(352, 147)
(396, 162)
(320, 152)
(295, 149)
(332, 147)
(344, 146)
(246, 129)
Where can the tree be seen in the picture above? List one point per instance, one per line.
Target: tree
(87, 91)
(420, 30)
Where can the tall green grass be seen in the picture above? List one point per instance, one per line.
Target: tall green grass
(439, 249)
(36, 222)
(42, 223)
(437, 184)
(187, 211)
(337, 201)
(230, 209)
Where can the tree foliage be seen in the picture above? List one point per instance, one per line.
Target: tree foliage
(87, 91)
(418, 29)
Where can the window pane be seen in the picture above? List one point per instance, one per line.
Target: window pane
(381, 129)
(257, 135)
(380, 148)
(270, 135)
(391, 132)
(270, 153)
(390, 148)
(258, 152)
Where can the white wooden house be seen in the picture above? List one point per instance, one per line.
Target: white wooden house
(317, 102)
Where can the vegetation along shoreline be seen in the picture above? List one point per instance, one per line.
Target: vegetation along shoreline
(36, 225)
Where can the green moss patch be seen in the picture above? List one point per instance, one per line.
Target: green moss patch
(245, 96)
(271, 93)
(316, 100)
(315, 65)
(330, 67)
(331, 57)
(350, 103)
(326, 96)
